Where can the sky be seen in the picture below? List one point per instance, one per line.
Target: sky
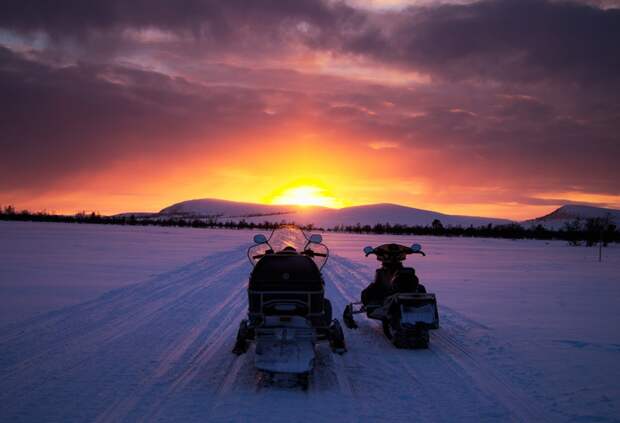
(504, 108)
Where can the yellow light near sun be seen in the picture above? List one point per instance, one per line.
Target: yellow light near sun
(305, 196)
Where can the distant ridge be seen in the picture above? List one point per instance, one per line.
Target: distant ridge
(318, 216)
(557, 218)
(394, 214)
(371, 214)
(210, 207)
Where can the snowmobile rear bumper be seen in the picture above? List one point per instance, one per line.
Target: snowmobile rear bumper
(419, 310)
(285, 345)
(414, 309)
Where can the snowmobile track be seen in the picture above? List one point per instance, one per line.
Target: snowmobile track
(452, 358)
(520, 406)
(160, 350)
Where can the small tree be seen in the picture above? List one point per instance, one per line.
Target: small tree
(572, 230)
(609, 234)
(595, 227)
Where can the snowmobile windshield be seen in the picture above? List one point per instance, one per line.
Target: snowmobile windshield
(290, 239)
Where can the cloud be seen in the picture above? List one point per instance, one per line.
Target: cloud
(517, 94)
(196, 28)
(60, 121)
(504, 40)
(382, 145)
(490, 40)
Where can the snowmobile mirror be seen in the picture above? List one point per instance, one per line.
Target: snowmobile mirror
(260, 239)
(368, 250)
(416, 248)
(316, 238)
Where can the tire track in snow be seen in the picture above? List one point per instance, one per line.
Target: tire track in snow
(194, 312)
(450, 362)
(229, 386)
(226, 312)
(520, 405)
(191, 284)
(368, 348)
(214, 342)
(428, 378)
(109, 316)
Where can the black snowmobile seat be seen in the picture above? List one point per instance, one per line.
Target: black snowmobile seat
(285, 279)
(286, 272)
(405, 280)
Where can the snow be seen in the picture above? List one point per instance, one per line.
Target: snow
(568, 213)
(45, 266)
(214, 207)
(111, 323)
(392, 213)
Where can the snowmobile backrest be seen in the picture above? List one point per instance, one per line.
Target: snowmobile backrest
(286, 273)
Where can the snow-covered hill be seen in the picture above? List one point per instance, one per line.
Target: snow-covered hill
(320, 216)
(209, 207)
(392, 213)
(570, 212)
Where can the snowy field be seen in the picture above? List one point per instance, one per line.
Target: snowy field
(110, 323)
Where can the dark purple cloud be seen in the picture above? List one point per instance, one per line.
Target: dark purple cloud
(505, 40)
(62, 120)
(70, 17)
(198, 27)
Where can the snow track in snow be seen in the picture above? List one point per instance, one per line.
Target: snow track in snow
(444, 379)
(159, 350)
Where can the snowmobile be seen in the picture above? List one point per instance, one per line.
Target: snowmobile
(396, 298)
(288, 312)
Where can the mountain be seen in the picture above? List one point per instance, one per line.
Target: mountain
(570, 212)
(393, 213)
(209, 207)
(319, 216)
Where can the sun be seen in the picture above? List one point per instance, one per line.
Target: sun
(305, 195)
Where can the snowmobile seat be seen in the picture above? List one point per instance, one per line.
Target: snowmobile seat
(374, 294)
(377, 291)
(286, 273)
(286, 284)
(405, 280)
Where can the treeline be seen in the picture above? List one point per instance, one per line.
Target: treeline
(577, 232)
(9, 213)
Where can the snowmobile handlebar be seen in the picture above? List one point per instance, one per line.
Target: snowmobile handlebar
(287, 240)
(311, 253)
(422, 253)
(393, 251)
(308, 253)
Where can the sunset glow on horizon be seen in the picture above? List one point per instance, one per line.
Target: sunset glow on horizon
(306, 195)
(433, 105)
